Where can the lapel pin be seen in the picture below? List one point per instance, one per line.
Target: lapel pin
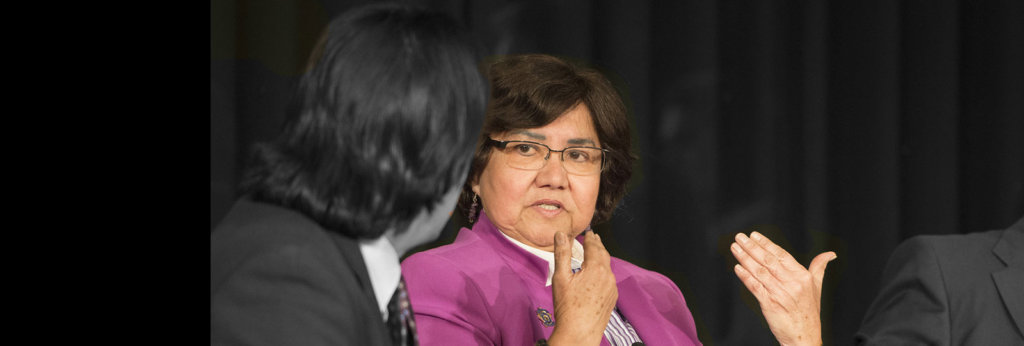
(545, 317)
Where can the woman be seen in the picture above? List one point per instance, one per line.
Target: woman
(553, 157)
(369, 164)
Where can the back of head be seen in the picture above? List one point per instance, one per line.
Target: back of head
(381, 124)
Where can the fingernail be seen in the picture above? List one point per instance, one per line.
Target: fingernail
(834, 256)
(755, 236)
(742, 238)
(734, 247)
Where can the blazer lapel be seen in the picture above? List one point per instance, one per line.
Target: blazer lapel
(637, 307)
(646, 315)
(1010, 281)
(349, 249)
(529, 269)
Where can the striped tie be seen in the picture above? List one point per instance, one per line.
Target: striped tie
(400, 319)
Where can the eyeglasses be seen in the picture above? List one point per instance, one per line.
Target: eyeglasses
(533, 156)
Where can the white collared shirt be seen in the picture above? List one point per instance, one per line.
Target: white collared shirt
(577, 255)
(385, 271)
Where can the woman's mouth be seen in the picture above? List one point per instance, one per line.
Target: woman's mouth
(548, 207)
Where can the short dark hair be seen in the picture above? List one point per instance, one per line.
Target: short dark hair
(381, 123)
(531, 91)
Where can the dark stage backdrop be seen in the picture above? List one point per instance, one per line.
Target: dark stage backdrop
(827, 125)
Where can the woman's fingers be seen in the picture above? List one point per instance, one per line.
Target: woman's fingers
(759, 254)
(585, 298)
(594, 252)
(563, 256)
(781, 254)
(763, 275)
(755, 287)
(816, 268)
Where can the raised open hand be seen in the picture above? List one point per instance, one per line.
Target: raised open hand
(789, 294)
(583, 300)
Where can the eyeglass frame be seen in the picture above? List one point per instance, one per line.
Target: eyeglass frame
(561, 153)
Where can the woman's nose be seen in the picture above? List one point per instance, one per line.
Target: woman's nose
(552, 174)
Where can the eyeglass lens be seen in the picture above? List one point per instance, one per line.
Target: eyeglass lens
(533, 156)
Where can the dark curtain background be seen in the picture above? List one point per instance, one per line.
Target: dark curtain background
(827, 125)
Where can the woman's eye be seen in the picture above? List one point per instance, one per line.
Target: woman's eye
(578, 156)
(525, 149)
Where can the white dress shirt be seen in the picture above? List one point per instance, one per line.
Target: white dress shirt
(577, 255)
(385, 272)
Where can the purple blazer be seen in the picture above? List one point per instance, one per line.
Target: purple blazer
(484, 290)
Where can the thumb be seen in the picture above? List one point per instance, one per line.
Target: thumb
(817, 267)
(563, 255)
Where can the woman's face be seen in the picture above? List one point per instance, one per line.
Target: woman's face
(530, 206)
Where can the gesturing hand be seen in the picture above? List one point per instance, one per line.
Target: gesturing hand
(789, 294)
(584, 300)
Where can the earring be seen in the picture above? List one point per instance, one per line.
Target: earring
(472, 210)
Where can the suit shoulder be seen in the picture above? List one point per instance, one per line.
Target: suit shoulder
(462, 252)
(623, 267)
(952, 246)
(986, 238)
(464, 257)
(626, 265)
(631, 268)
(958, 260)
(258, 225)
(256, 234)
(286, 296)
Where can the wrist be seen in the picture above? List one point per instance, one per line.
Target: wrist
(808, 343)
(566, 337)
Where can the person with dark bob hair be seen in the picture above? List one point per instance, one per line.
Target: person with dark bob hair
(553, 158)
(531, 91)
(368, 164)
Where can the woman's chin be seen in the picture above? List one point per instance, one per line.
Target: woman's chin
(549, 223)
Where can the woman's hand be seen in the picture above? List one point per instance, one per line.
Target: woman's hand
(789, 294)
(584, 300)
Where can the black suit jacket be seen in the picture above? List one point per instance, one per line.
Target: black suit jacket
(951, 290)
(278, 278)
